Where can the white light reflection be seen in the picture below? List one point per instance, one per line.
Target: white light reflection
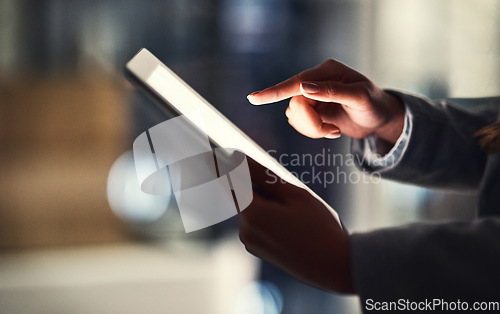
(259, 297)
(125, 197)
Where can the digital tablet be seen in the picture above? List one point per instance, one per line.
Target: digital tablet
(176, 97)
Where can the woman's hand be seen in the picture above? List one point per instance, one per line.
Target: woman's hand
(331, 99)
(288, 227)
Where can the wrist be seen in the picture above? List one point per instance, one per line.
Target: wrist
(393, 126)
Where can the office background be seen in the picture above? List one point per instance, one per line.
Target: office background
(68, 117)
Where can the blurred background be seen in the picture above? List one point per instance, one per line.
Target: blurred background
(76, 233)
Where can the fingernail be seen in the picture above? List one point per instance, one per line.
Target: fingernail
(251, 100)
(253, 94)
(310, 87)
(249, 97)
(333, 135)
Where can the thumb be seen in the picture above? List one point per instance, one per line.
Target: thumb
(352, 95)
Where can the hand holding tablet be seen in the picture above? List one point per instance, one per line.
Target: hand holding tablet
(286, 224)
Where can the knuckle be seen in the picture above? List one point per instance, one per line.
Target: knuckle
(365, 94)
(276, 93)
(330, 62)
(332, 89)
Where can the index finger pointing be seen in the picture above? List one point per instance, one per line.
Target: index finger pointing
(278, 92)
(291, 87)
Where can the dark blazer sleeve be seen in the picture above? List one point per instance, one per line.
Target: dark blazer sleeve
(431, 262)
(441, 150)
(422, 262)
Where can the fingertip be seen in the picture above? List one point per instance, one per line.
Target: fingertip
(252, 100)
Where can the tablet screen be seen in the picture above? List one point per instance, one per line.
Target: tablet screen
(175, 95)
